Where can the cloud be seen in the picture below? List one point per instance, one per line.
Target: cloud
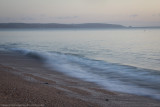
(42, 15)
(153, 14)
(134, 15)
(6, 19)
(156, 15)
(67, 17)
(26, 18)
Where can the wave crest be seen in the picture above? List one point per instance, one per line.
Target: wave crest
(123, 78)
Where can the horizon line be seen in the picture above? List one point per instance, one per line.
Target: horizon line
(130, 26)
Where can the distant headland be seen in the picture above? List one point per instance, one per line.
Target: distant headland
(68, 26)
(57, 25)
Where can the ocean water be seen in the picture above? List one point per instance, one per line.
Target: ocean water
(123, 60)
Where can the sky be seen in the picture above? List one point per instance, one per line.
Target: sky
(124, 12)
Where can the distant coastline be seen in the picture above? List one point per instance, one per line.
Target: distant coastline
(70, 26)
(57, 25)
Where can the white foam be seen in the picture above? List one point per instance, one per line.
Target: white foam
(115, 77)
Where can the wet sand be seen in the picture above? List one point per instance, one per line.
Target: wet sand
(26, 82)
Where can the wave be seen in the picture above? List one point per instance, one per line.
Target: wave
(116, 77)
(30, 53)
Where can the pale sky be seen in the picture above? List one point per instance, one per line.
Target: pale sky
(124, 12)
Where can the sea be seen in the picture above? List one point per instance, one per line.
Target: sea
(121, 60)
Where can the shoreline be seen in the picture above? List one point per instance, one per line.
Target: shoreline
(26, 81)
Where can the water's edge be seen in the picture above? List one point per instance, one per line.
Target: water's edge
(112, 76)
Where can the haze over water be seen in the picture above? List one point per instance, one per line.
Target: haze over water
(124, 12)
(125, 60)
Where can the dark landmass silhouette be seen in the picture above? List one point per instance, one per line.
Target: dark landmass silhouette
(57, 25)
(66, 26)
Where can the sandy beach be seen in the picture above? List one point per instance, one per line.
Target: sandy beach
(26, 82)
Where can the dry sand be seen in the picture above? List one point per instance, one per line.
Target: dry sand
(25, 82)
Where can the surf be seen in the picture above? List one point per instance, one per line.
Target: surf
(112, 76)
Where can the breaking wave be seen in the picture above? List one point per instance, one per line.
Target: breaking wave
(112, 76)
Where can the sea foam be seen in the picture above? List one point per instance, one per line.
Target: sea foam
(112, 76)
